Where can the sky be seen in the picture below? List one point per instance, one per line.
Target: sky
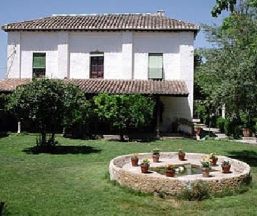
(195, 11)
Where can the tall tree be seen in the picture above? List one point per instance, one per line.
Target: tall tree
(232, 6)
(229, 74)
(50, 104)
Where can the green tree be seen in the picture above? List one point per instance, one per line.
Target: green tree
(124, 111)
(233, 6)
(229, 72)
(50, 104)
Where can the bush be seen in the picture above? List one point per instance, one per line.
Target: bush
(198, 191)
(220, 123)
(124, 111)
(232, 128)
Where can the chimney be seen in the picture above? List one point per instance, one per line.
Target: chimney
(161, 13)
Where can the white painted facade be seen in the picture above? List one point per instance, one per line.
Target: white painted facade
(125, 57)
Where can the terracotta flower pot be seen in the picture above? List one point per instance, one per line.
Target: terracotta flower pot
(144, 168)
(181, 156)
(156, 158)
(206, 172)
(170, 172)
(134, 161)
(226, 168)
(198, 131)
(247, 132)
(214, 161)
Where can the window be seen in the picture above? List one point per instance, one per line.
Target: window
(39, 65)
(96, 65)
(155, 66)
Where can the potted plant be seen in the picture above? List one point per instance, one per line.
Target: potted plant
(197, 130)
(156, 155)
(213, 159)
(206, 167)
(170, 171)
(226, 166)
(145, 166)
(181, 155)
(134, 160)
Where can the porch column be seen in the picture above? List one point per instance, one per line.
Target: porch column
(158, 113)
(223, 111)
(19, 127)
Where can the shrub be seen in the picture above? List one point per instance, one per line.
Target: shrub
(232, 128)
(220, 123)
(197, 191)
(124, 111)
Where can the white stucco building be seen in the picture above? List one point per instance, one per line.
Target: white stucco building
(141, 48)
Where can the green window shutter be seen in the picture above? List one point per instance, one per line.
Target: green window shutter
(39, 60)
(155, 65)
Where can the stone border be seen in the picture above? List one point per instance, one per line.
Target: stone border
(121, 171)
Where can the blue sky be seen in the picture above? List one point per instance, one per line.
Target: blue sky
(195, 11)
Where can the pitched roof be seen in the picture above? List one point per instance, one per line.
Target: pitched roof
(95, 86)
(103, 22)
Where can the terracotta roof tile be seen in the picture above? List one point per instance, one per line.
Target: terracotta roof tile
(104, 22)
(95, 86)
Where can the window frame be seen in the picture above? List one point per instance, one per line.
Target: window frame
(91, 72)
(162, 68)
(38, 72)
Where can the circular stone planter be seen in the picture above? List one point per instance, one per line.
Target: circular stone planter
(125, 174)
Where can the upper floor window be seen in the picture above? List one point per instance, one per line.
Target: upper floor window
(155, 66)
(97, 65)
(39, 65)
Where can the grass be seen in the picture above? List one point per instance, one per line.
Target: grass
(74, 179)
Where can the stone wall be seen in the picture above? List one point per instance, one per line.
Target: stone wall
(121, 171)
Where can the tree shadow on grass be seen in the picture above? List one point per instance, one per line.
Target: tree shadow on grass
(246, 156)
(2, 208)
(62, 150)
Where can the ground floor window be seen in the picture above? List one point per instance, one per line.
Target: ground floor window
(39, 65)
(97, 65)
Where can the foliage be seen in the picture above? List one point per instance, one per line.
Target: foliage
(156, 151)
(145, 161)
(124, 111)
(225, 163)
(3, 101)
(181, 151)
(232, 128)
(134, 156)
(220, 123)
(213, 156)
(232, 6)
(197, 191)
(170, 167)
(206, 162)
(50, 104)
(228, 75)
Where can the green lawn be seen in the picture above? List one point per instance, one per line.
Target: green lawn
(75, 182)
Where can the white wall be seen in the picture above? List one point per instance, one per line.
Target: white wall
(125, 57)
(80, 46)
(174, 108)
(166, 43)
